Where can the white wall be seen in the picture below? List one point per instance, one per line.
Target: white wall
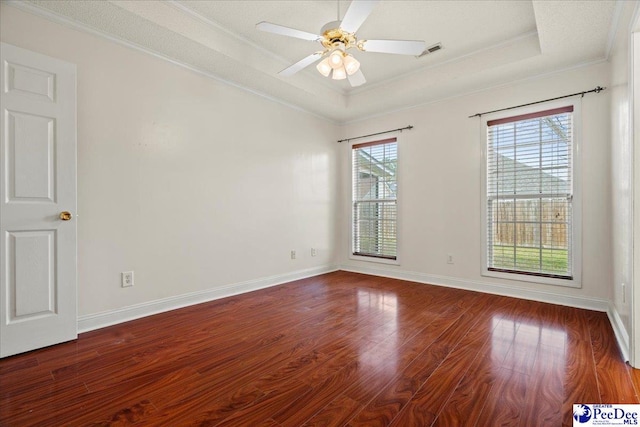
(634, 80)
(192, 183)
(440, 188)
(621, 175)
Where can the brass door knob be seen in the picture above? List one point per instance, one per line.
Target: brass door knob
(65, 216)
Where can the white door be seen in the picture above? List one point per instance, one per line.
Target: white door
(37, 185)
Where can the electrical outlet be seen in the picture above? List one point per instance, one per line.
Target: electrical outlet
(293, 254)
(127, 279)
(449, 259)
(314, 252)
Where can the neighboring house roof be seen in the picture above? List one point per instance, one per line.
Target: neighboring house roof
(376, 166)
(530, 180)
(382, 188)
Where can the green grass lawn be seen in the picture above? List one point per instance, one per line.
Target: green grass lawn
(553, 260)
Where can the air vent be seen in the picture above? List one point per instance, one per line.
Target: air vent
(431, 49)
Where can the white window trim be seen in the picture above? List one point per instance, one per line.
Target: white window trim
(576, 229)
(398, 206)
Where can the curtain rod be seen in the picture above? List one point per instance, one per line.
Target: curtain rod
(378, 133)
(596, 90)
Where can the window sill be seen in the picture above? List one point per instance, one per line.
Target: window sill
(567, 283)
(374, 259)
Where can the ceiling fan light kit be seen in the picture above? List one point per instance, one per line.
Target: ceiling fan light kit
(324, 67)
(340, 63)
(339, 36)
(339, 74)
(351, 64)
(335, 58)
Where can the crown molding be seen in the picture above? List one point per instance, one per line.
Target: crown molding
(75, 25)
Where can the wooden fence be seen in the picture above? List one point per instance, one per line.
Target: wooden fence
(529, 222)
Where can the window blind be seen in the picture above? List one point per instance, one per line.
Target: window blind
(530, 193)
(374, 196)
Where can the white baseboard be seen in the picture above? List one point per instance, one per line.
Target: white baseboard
(619, 330)
(486, 287)
(112, 317)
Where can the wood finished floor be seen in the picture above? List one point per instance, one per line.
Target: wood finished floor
(333, 350)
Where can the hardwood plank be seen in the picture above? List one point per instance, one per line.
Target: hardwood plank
(505, 400)
(522, 354)
(266, 406)
(206, 409)
(18, 364)
(387, 365)
(36, 404)
(611, 370)
(304, 408)
(468, 399)
(425, 406)
(387, 404)
(543, 400)
(580, 382)
(268, 423)
(335, 414)
(297, 369)
(635, 378)
(577, 325)
(390, 366)
(335, 349)
(393, 397)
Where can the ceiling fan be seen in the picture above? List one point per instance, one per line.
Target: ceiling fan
(337, 38)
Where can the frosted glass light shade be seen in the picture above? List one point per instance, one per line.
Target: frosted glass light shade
(324, 68)
(339, 74)
(351, 64)
(335, 59)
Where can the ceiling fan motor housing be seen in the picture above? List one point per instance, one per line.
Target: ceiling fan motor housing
(334, 36)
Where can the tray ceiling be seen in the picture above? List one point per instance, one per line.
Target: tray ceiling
(485, 43)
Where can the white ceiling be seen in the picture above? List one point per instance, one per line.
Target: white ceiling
(485, 43)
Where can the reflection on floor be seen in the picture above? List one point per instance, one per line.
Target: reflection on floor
(337, 349)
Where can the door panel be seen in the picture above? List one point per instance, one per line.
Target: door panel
(30, 81)
(37, 181)
(30, 144)
(31, 274)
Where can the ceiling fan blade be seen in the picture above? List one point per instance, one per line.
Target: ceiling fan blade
(356, 14)
(401, 47)
(286, 31)
(356, 79)
(304, 62)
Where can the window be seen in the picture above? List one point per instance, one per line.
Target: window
(374, 196)
(530, 196)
